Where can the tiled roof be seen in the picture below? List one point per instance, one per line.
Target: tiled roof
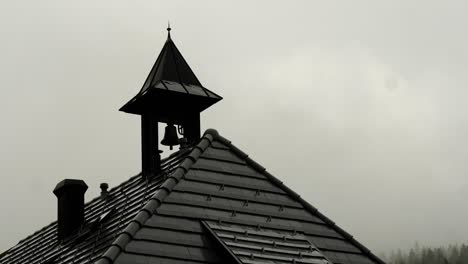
(104, 218)
(216, 205)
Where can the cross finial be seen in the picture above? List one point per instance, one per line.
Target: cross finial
(168, 30)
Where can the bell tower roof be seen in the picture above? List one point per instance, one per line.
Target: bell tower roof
(170, 66)
(171, 83)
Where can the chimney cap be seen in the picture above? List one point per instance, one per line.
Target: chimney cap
(104, 186)
(70, 183)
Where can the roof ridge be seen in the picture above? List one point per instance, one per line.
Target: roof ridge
(280, 184)
(155, 201)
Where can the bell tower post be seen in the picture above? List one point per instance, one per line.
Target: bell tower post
(150, 156)
(192, 128)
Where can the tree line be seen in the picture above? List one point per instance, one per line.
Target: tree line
(453, 254)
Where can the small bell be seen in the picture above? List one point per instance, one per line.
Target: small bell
(170, 136)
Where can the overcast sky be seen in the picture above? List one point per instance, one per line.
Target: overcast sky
(359, 106)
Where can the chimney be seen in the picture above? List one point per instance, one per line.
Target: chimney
(70, 210)
(104, 192)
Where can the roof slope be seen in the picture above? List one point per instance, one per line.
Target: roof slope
(219, 201)
(213, 204)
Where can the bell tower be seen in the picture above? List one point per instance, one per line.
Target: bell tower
(171, 94)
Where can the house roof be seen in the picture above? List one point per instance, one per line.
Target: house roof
(211, 204)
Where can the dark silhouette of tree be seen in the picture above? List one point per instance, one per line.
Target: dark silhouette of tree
(453, 254)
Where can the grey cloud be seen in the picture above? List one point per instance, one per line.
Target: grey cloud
(364, 99)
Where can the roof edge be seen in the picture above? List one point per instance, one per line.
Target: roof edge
(114, 250)
(216, 136)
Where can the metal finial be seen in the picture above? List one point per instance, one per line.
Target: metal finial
(168, 29)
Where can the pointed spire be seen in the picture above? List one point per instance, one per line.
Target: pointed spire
(168, 30)
(170, 66)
